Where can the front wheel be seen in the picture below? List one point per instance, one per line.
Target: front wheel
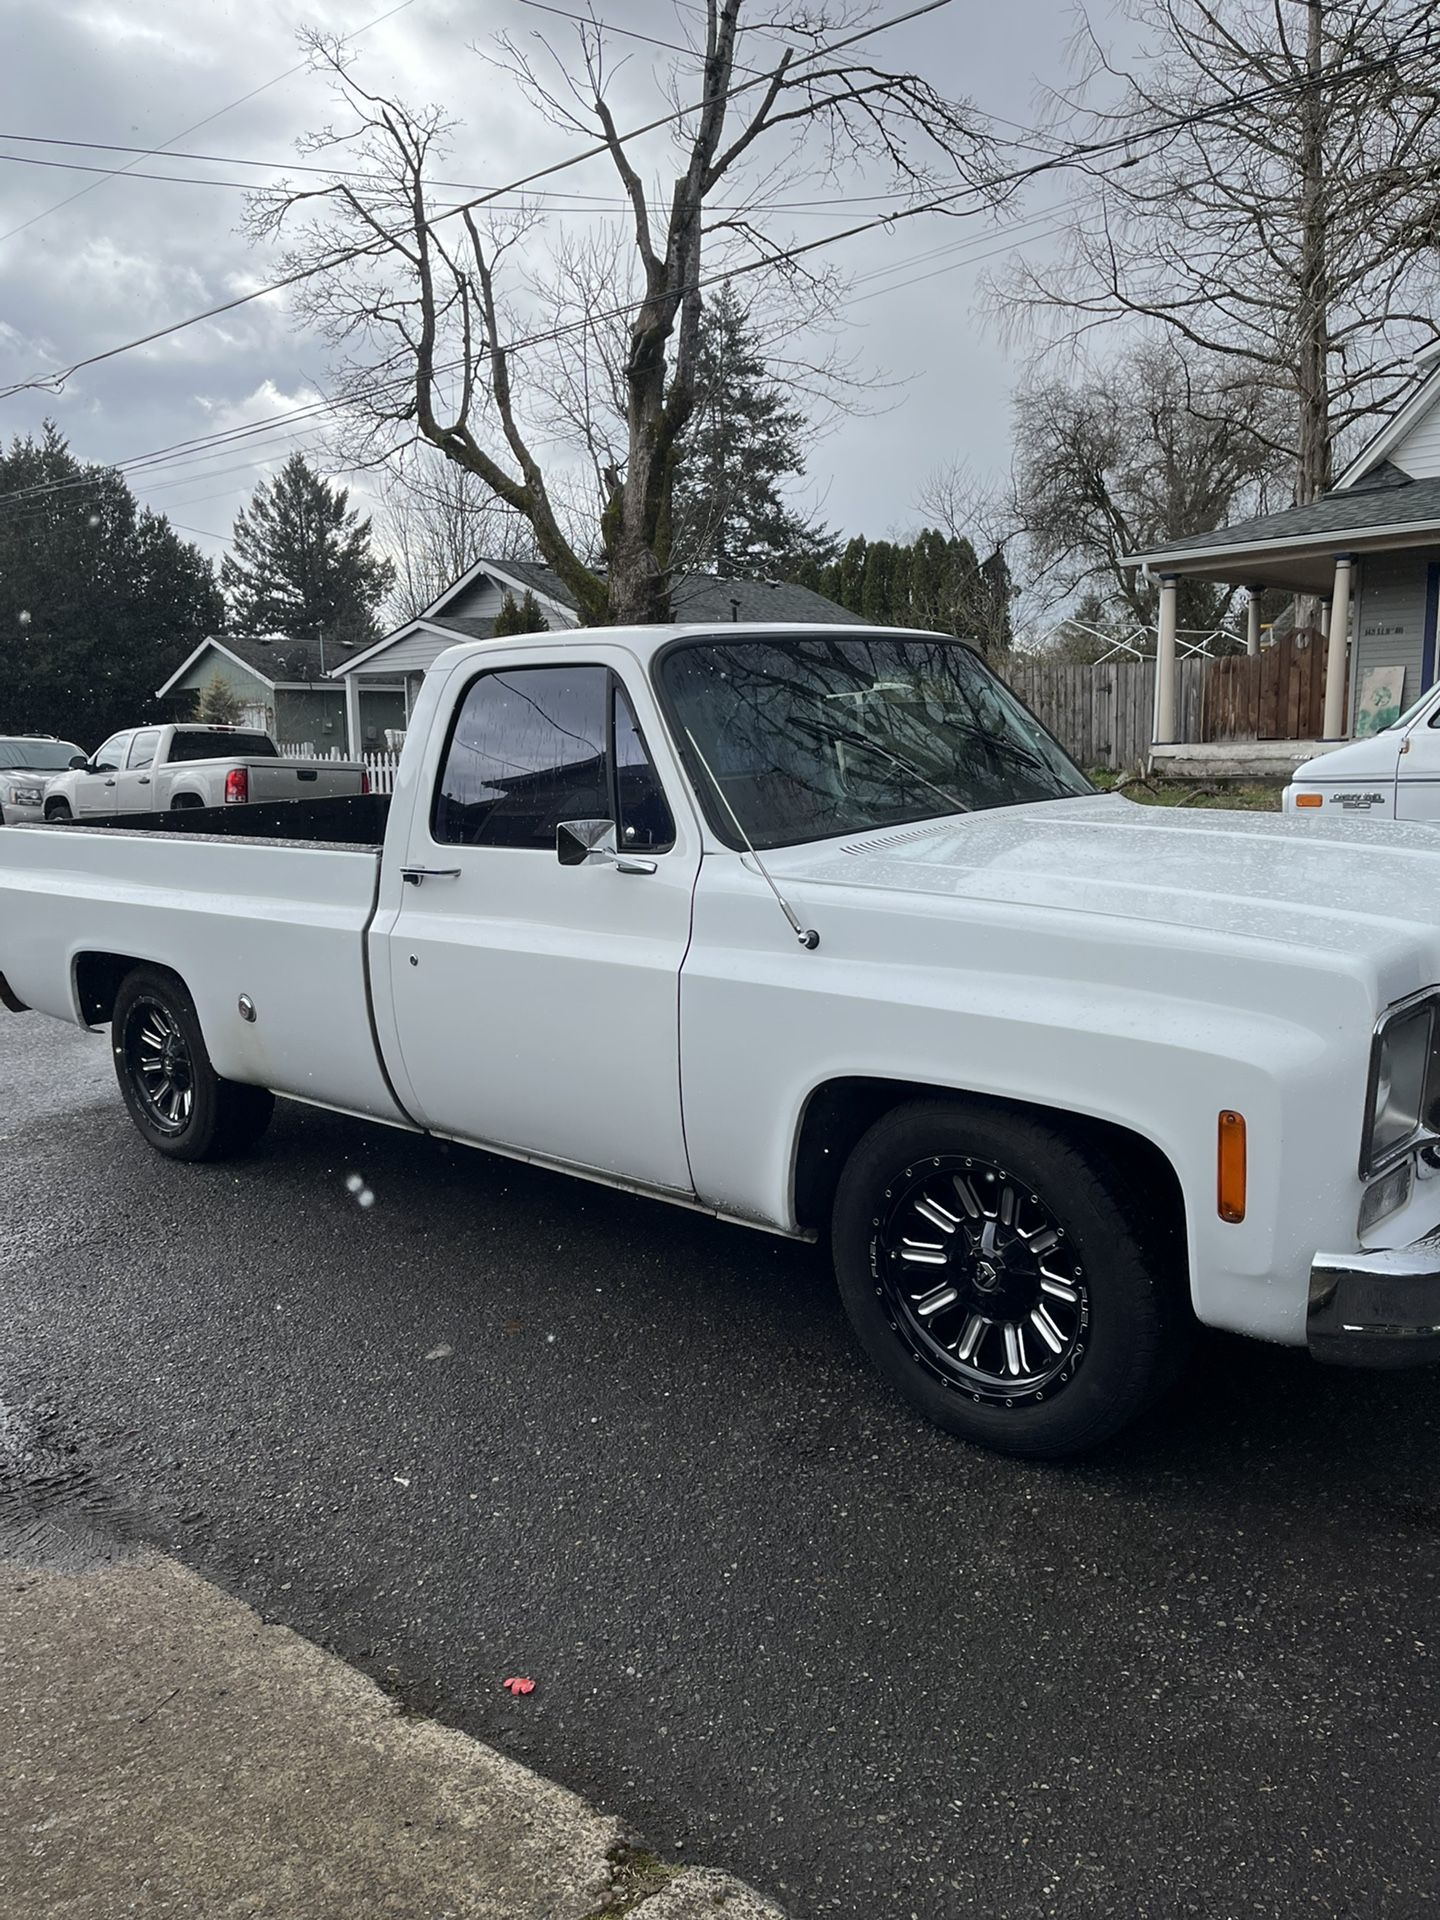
(1013, 1288)
(176, 1098)
(59, 811)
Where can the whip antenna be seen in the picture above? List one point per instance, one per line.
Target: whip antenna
(807, 936)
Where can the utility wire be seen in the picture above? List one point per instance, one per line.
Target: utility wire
(54, 381)
(1124, 143)
(195, 126)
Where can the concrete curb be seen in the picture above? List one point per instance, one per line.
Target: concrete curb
(164, 1752)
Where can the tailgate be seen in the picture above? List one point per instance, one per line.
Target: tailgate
(302, 780)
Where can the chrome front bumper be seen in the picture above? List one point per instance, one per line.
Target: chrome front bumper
(1378, 1309)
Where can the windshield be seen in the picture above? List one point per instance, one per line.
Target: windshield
(37, 756)
(222, 746)
(809, 737)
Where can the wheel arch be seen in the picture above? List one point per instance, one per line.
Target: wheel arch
(840, 1111)
(96, 977)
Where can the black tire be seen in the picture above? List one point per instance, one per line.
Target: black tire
(176, 1099)
(183, 802)
(1041, 1335)
(59, 810)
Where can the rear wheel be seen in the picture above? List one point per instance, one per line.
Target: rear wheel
(176, 1099)
(1016, 1290)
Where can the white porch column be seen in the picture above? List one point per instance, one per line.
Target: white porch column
(1335, 657)
(1252, 622)
(354, 739)
(1165, 663)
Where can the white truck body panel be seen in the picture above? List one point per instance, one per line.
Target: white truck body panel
(665, 1029)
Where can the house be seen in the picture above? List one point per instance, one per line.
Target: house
(285, 687)
(1370, 549)
(393, 668)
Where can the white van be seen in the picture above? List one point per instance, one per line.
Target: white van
(1394, 775)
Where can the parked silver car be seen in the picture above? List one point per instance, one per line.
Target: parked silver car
(28, 761)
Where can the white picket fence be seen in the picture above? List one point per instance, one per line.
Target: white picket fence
(381, 767)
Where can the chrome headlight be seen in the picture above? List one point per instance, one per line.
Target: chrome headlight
(1404, 1085)
(24, 796)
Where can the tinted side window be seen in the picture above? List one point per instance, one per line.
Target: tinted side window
(527, 752)
(644, 818)
(109, 757)
(142, 748)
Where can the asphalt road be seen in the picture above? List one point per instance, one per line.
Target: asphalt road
(500, 1422)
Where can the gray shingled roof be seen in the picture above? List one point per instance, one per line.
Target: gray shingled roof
(278, 657)
(695, 596)
(1335, 515)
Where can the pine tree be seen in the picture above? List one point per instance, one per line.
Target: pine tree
(100, 600)
(729, 515)
(217, 702)
(303, 564)
(525, 618)
(935, 583)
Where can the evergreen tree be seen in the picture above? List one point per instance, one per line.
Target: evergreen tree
(526, 618)
(933, 582)
(729, 515)
(303, 564)
(217, 702)
(100, 600)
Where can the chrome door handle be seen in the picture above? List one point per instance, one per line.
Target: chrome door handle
(143, 781)
(109, 783)
(628, 863)
(413, 876)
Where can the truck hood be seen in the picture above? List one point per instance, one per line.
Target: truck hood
(1357, 888)
(1373, 758)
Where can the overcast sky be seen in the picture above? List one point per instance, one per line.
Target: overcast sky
(128, 254)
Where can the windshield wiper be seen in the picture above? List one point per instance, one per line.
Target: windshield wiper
(844, 735)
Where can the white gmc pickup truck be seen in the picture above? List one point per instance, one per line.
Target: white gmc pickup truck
(819, 931)
(166, 769)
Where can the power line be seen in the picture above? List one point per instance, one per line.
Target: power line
(1126, 144)
(57, 379)
(195, 127)
(580, 203)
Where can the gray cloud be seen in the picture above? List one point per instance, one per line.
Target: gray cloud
(133, 254)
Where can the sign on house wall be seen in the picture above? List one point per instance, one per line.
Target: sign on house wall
(1382, 699)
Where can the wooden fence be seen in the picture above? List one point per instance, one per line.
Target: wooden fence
(1275, 695)
(1105, 716)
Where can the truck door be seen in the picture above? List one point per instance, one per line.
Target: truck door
(535, 1004)
(1417, 785)
(96, 792)
(133, 787)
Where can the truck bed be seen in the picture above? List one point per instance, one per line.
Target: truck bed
(280, 919)
(337, 820)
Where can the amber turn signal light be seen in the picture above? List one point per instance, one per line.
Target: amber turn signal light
(1307, 800)
(1230, 1167)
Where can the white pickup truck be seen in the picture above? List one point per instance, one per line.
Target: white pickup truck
(819, 931)
(166, 769)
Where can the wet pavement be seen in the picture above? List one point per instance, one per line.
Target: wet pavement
(499, 1422)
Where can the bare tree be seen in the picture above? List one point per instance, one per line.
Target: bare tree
(1135, 453)
(423, 298)
(1287, 222)
(437, 521)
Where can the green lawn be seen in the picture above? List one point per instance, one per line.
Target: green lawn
(1245, 797)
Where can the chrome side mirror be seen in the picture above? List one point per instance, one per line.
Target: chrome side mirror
(584, 843)
(591, 843)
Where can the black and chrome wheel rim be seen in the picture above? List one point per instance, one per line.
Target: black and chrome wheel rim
(979, 1280)
(158, 1063)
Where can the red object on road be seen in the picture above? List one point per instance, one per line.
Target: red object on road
(517, 1685)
